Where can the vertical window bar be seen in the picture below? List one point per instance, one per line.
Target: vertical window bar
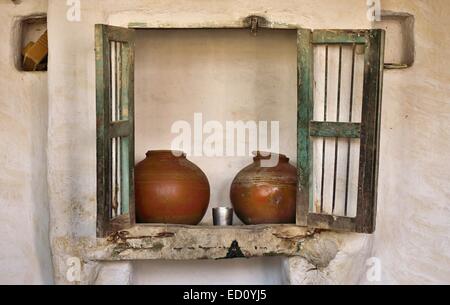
(113, 86)
(124, 143)
(325, 119)
(119, 81)
(336, 145)
(119, 140)
(350, 120)
(118, 178)
(119, 204)
(113, 179)
(113, 80)
(125, 180)
(115, 142)
(114, 188)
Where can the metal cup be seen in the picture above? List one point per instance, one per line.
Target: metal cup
(222, 216)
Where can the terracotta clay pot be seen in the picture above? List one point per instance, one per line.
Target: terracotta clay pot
(170, 189)
(265, 195)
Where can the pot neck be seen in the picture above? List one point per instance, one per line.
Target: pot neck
(262, 155)
(167, 154)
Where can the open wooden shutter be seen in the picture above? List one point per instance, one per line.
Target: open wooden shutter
(339, 106)
(114, 48)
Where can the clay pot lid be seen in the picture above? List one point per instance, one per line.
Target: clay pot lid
(166, 153)
(264, 155)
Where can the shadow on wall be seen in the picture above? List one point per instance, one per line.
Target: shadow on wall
(255, 271)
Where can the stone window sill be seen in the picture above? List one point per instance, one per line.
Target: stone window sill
(178, 242)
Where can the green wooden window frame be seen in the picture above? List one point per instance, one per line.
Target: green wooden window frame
(368, 130)
(115, 128)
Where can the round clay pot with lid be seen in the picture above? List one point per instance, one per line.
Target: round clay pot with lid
(170, 189)
(265, 193)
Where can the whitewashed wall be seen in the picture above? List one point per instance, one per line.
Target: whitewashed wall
(24, 243)
(412, 236)
(412, 239)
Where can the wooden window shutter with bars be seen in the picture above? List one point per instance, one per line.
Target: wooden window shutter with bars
(340, 76)
(114, 48)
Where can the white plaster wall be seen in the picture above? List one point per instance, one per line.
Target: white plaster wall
(24, 244)
(412, 237)
(255, 271)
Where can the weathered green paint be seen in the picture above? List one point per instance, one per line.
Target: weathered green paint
(370, 132)
(339, 37)
(127, 113)
(305, 110)
(119, 34)
(242, 23)
(106, 129)
(334, 129)
(102, 97)
(119, 129)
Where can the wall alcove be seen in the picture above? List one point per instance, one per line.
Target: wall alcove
(217, 75)
(31, 45)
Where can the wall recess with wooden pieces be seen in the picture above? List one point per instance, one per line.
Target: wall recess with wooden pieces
(339, 86)
(31, 44)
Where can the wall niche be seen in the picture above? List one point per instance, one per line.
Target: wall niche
(31, 47)
(400, 46)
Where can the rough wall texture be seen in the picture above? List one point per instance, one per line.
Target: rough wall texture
(412, 237)
(24, 243)
(413, 240)
(331, 258)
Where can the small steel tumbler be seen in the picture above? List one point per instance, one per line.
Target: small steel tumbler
(222, 216)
